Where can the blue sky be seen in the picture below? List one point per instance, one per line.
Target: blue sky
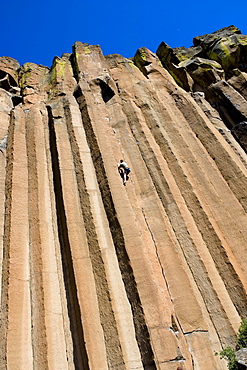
(36, 31)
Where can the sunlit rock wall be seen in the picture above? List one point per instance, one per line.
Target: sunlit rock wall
(96, 275)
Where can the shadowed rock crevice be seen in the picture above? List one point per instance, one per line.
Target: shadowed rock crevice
(106, 92)
(142, 334)
(6, 242)
(80, 354)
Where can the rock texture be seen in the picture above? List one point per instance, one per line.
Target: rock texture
(241, 356)
(95, 275)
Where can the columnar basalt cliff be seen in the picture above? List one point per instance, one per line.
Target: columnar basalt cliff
(96, 275)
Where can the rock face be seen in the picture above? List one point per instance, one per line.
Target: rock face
(95, 275)
(241, 356)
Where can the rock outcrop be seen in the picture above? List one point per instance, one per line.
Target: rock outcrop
(95, 275)
(241, 356)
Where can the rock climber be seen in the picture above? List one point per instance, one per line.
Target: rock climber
(123, 170)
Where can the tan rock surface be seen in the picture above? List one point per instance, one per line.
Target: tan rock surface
(95, 275)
